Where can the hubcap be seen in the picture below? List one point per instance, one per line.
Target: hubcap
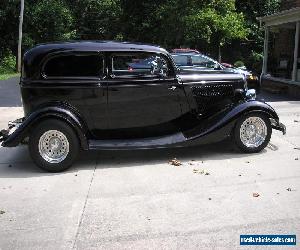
(253, 132)
(53, 146)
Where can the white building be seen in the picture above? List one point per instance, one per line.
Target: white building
(281, 65)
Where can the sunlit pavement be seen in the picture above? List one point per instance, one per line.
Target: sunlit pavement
(136, 200)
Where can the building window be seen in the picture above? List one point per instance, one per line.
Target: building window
(281, 50)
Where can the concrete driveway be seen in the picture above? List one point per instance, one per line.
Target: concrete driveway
(136, 200)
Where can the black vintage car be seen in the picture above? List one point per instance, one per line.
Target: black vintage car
(112, 96)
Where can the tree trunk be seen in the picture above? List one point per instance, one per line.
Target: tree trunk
(219, 55)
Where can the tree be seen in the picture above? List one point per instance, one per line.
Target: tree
(9, 13)
(96, 19)
(252, 49)
(208, 25)
(217, 23)
(47, 20)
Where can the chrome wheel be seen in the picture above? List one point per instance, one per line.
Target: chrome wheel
(53, 146)
(253, 132)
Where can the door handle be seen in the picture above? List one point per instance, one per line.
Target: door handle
(172, 88)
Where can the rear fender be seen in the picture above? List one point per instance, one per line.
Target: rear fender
(61, 113)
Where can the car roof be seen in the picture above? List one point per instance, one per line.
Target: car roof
(193, 54)
(38, 52)
(33, 57)
(186, 54)
(96, 46)
(186, 50)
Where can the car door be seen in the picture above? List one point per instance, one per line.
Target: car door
(145, 98)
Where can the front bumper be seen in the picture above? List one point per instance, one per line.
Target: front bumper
(12, 127)
(278, 126)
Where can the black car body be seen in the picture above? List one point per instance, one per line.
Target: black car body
(86, 95)
(192, 61)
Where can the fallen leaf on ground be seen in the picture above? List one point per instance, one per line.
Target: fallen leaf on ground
(255, 194)
(2, 212)
(202, 171)
(175, 162)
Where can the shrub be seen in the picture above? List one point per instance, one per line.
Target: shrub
(238, 64)
(8, 63)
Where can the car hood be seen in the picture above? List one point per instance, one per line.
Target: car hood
(195, 69)
(239, 71)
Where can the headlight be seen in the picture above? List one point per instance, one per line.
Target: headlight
(251, 94)
(252, 77)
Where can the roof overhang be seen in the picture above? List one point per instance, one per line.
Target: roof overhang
(286, 16)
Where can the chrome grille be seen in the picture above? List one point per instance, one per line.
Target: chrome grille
(209, 95)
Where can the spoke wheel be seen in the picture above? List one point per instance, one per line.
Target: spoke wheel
(53, 145)
(252, 132)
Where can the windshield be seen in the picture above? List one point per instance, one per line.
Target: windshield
(180, 60)
(203, 61)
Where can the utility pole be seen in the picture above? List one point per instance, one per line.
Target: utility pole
(20, 36)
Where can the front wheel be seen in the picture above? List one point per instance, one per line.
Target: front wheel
(53, 145)
(252, 132)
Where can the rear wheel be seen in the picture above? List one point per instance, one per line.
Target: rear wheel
(53, 145)
(252, 132)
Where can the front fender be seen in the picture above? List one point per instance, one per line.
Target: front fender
(225, 121)
(251, 106)
(62, 113)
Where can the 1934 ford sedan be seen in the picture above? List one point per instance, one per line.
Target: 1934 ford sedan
(110, 95)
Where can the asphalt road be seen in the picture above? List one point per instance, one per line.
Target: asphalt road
(136, 200)
(10, 93)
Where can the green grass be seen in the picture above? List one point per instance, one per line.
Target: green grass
(6, 76)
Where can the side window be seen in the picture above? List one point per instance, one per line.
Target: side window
(139, 65)
(74, 66)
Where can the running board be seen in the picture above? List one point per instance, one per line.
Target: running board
(143, 143)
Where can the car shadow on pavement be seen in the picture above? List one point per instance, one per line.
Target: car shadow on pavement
(16, 162)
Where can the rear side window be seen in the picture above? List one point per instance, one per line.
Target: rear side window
(74, 66)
